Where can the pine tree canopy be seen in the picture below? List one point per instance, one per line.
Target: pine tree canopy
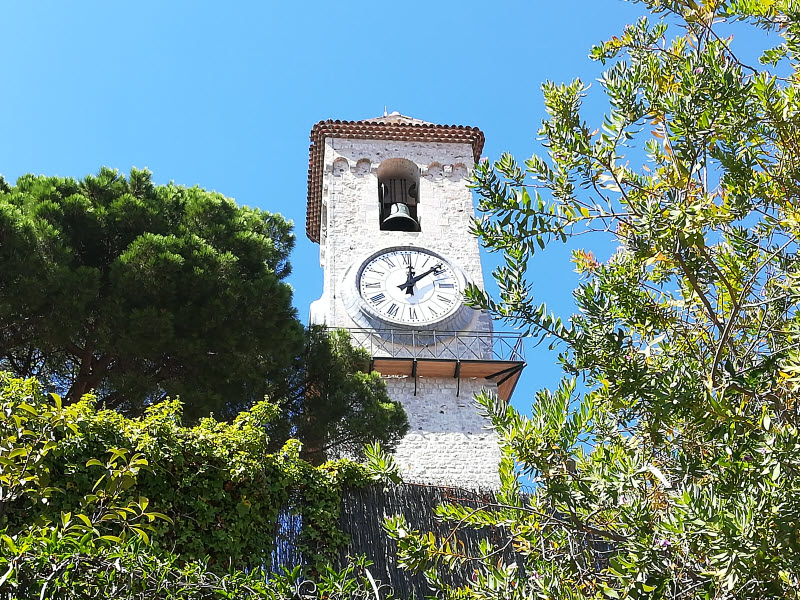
(139, 291)
(331, 401)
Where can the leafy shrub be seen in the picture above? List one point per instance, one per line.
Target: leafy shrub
(121, 500)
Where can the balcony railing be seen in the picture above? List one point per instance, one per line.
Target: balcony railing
(446, 345)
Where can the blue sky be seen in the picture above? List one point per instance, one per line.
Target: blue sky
(223, 95)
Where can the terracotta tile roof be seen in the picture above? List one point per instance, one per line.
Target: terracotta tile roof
(389, 127)
(396, 117)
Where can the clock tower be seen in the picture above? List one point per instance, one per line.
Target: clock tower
(389, 207)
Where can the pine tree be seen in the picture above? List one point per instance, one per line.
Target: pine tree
(139, 291)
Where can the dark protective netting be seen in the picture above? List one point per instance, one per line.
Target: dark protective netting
(363, 513)
(362, 517)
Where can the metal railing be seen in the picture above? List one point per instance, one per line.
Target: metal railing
(446, 345)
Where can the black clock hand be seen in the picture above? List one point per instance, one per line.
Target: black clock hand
(408, 286)
(434, 269)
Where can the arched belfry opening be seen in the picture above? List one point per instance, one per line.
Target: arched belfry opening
(398, 194)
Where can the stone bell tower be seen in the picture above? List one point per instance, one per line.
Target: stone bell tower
(389, 207)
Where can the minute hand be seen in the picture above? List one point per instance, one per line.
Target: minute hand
(434, 269)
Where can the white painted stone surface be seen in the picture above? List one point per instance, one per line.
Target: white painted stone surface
(350, 228)
(448, 441)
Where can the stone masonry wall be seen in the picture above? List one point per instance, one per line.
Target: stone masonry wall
(350, 224)
(448, 442)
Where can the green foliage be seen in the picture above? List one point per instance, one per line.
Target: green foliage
(140, 291)
(32, 427)
(332, 403)
(207, 496)
(135, 572)
(381, 465)
(666, 463)
(137, 292)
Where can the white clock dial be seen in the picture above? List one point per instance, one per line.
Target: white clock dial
(409, 286)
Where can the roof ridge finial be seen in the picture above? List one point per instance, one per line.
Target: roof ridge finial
(385, 111)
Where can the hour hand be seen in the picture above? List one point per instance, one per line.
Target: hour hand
(408, 286)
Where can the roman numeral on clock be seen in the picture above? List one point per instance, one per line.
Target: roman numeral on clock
(372, 285)
(377, 298)
(392, 312)
(444, 299)
(446, 285)
(388, 261)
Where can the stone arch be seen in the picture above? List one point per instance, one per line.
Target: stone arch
(434, 171)
(362, 167)
(459, 172)
(340, 166)
(398, 195)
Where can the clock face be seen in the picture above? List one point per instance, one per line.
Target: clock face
(409, 286)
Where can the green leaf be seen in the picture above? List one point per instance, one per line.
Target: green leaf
(111, 538)
(27, 407)
(610, 592)
(84, 519)
(9, 542)
(157, 515)
(142, 534)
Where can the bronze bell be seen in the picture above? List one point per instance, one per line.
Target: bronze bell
(399, 219)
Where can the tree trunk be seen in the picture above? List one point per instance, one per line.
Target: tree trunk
(90, 373)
